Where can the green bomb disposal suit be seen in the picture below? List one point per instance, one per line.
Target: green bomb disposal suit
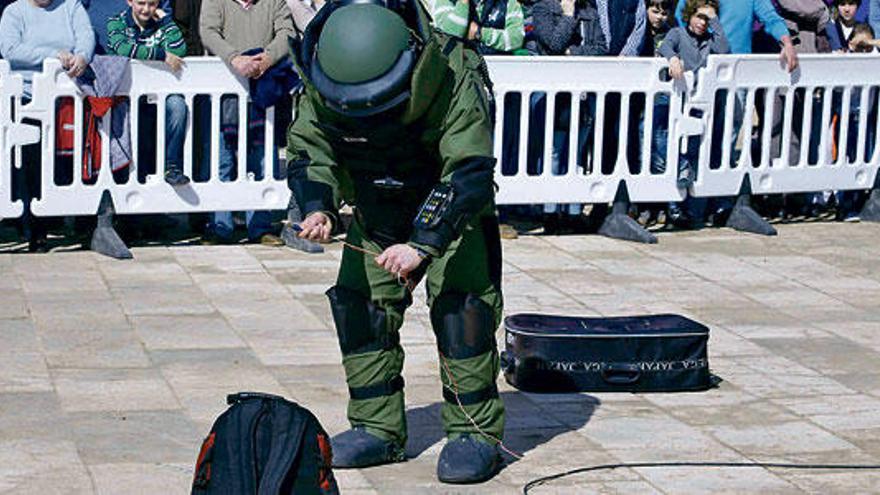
(430, 143)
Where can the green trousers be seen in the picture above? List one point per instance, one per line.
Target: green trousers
(463, 288)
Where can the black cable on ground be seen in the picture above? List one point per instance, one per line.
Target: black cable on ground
(540, 481)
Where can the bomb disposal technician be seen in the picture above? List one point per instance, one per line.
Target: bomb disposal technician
(394, 120)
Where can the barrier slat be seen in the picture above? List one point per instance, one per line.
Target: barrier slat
(11, 91)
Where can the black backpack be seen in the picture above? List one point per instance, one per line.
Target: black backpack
(264, 445)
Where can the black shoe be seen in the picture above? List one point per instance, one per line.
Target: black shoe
(465, 460)
(210, 238)
(677, 218)
(176, 178)
(356, 448)
(552, 224)
(38, 246)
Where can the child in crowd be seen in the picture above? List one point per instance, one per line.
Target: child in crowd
(860, 40)
(840, 32)
(687, 48)
(657, 13)
(139, 33)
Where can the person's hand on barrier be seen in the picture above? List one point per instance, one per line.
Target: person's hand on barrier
(244, 65)
(263, 63)
(173, 61)
(78, 65)
(66, 59)
(316, 227)
(399, 259)
(567, 7)
(676, 68)
(788, 55)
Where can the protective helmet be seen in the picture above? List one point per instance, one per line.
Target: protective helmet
(364, 59)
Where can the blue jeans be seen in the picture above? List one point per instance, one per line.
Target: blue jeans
(175, 131)
(561, 134)
(258, 222)
(660, 134)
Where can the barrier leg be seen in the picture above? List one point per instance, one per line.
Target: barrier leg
(871, 211)
(288, 235)
(743, 217)
(105, 240)
(619, 225)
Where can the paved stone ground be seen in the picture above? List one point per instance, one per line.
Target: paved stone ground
(111, 372)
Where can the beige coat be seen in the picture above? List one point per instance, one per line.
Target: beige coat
(303, 11)
(227, 29)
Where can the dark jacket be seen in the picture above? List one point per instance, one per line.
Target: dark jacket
(836, 38)
(621, 22)
(559, 34)
(186, 15)
(651, 45)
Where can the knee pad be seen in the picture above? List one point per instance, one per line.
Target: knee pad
(361, 325)
(464, 325)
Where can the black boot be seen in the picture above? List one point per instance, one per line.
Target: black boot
(465, 460)
(356, 448)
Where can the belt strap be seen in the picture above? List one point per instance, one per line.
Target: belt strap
(390, 387)
(469, 398)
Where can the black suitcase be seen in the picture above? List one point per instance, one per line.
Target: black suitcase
(658, 353)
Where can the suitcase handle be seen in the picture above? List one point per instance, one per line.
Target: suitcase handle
(621, 374)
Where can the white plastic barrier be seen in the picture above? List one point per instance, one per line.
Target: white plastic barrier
(201, 76)
(805, 104)
(592, 88)
(12, 135)
(625, 91)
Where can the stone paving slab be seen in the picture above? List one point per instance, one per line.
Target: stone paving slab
(111, 372)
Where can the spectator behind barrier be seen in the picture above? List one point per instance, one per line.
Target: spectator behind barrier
(186, 16)
(623, 23)
(102, 10)
(737, 19)
(30, 32)
(229, 29)
(496, 26)
(569, 27)
(303, 11)
(138, 33)
(865, 12)
(860, 40)
(687, 48)
(840, 32)
(658, 16)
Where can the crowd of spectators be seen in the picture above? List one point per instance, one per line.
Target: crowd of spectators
(250, 36)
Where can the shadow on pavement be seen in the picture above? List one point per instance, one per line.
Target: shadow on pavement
(531, 420)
